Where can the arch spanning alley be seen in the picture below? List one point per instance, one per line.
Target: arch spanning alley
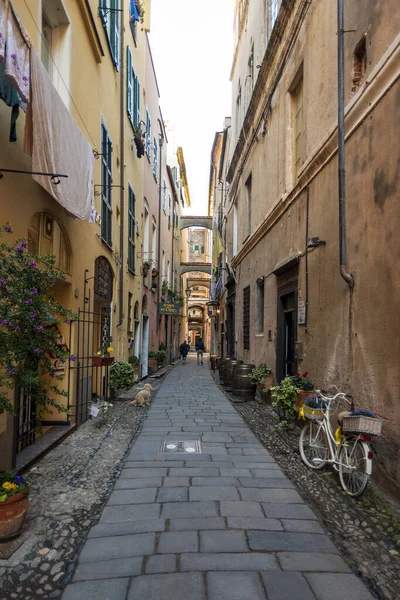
(198, 282)
(190, 221)
(190, 267)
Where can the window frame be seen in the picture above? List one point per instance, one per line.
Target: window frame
(148, 134)
(131, 230)
(106, 183)
(110, 21)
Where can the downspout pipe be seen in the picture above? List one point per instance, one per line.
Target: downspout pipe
(122, 170)
(341, 149)
(161, 143)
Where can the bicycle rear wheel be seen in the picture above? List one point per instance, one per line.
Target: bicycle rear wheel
(313, 445)
(354, 467)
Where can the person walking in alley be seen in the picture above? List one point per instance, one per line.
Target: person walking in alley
(200, 349)
(184, 350)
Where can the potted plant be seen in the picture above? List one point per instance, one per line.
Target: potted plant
(305, 388)
(102, 357)
(154, 272)
(161, 357)
(139, 142)
(135, 364)
(145, 267)
(285, 396)
(152, 360)
(14, 503)
(164, 287)
(262, 377)
(122, 376)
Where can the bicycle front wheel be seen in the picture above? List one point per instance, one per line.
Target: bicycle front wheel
(313, 445)
(354, 467)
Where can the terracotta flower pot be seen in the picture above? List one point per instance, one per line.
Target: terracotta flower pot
(268, 382)
(302, 395)
(152, 362)
(102, 361)
(12, 516)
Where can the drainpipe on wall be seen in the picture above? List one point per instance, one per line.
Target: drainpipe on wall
(122, 170)
(159, 227)
(173, 319)
(341, 149)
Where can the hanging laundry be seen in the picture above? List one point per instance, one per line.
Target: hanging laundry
(3, 20)
(17, 55)
(10, 96)
(58, 145)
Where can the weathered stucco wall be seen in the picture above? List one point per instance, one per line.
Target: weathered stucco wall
(352, 339)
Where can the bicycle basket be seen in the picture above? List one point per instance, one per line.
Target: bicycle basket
(314, 414)
(362, 424)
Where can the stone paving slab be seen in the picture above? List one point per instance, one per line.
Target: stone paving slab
(222, 524)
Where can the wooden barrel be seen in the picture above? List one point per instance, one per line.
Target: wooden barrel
(222, 363)
(242, 386)
(228, 370)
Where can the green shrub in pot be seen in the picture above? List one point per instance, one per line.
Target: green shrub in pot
(122, 377)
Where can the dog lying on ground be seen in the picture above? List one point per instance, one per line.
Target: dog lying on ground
(143, 397)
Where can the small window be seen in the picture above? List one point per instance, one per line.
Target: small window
(260, 306)
(359, 63)
(246, 318)
(297, 95)
(130, 296)
(248, 188)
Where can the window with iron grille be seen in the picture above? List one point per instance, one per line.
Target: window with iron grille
(246, 318)
(131, 230)
(106, 182)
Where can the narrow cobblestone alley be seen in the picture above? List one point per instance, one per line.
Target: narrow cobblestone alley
(222, 523)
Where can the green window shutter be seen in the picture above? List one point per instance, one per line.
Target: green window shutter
(137, 101)
(129, 84)
(202, 250)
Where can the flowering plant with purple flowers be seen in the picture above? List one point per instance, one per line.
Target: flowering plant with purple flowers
(29, 337)
(11, 484)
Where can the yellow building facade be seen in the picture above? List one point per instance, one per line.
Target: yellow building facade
(95, 58)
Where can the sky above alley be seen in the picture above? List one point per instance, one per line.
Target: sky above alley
(192, 47)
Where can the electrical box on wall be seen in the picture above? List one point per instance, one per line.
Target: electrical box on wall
(298, 350)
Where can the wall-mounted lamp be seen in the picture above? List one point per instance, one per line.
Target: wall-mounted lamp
(314, 242)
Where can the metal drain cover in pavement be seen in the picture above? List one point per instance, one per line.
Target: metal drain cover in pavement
(188, 447)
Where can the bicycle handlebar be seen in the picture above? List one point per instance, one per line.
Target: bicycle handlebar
(332, 398)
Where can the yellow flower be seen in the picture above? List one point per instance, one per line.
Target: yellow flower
(7, 485)
(99, 353)
(110, 349)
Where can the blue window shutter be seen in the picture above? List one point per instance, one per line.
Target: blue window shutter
(129, 84)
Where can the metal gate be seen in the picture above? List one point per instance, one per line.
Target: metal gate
(24, 420)
(87, 375)
(88, 383)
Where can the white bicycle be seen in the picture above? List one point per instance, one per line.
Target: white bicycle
(349, 453)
